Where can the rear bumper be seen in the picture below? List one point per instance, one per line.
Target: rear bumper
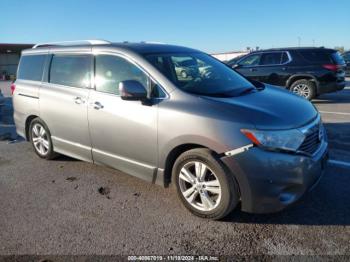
(271, 181)
(330, 87)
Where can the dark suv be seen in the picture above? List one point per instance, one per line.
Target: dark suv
(346, 57)
(307, 72)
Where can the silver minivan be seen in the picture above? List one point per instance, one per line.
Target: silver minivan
(172, 116)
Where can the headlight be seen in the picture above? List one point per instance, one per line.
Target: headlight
(282, 139)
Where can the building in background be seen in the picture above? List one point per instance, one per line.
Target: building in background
(9, 58)
(226, 56)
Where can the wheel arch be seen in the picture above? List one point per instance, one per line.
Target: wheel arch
(27, 124)
(297, 77)
(172, 156)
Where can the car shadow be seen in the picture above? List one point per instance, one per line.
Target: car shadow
(63, 158)
(332, 98)
(339, 135)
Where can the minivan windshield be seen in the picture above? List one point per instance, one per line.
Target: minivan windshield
(201, 74)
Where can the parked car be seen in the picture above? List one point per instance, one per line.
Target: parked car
(308, 72)
(219, 138)
(346, 57)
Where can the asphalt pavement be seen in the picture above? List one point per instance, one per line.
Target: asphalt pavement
(66, 206)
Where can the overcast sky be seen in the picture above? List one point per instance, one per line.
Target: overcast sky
(212, 26)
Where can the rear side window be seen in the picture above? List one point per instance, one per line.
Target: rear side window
(71, 70)
(316, 56)
(274, 58)
(31, 67)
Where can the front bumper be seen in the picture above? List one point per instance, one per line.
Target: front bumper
(270, 181)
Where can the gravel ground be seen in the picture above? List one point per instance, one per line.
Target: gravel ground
(71, 207)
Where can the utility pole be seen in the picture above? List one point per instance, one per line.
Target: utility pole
(299, 40)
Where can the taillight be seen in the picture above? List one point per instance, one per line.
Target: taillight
(13, 87)
(332, 67)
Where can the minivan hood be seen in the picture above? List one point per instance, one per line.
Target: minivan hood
(270, 108)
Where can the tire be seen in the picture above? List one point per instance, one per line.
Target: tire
(304, 88)
(214, 193)
(40, 138)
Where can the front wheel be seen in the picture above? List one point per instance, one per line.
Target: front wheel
(40, 138)
(304, 88)
(204, 185)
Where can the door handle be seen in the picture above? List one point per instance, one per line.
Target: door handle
(252, 69)
(284, 68)
(78, 100)
(97, 105)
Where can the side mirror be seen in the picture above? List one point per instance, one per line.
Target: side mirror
(132, 90)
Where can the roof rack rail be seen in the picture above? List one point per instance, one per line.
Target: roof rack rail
(72, 43)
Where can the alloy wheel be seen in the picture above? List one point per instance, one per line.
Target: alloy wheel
(200, 186)
(302, 90)
(40, 139)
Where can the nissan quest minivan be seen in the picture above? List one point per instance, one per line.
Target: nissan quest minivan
(173, 116)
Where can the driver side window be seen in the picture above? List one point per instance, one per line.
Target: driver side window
(251, 60)
(111, 70)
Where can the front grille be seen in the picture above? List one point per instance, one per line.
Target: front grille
(312, 140)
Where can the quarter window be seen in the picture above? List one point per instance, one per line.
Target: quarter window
(284, 58)
(31, 67)
(111, 70)
(71, 70)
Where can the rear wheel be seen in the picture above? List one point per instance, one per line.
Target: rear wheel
(304, 88)
(40, 138)
(203, 184)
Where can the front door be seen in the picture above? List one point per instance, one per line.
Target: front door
(123, 133)
(249, 66)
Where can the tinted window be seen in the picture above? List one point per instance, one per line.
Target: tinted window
(251, 60)
(317, 56)
(71, 70)
(31, 67)
(111, 70)
(199, 73)
(274, 58)
(285, 58)
(234, 61)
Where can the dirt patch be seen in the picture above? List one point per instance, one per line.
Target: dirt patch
(104, 191)
(71, 178)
